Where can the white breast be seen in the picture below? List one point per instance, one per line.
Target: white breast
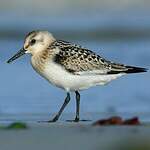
(59, 77)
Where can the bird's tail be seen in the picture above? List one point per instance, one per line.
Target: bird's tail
(118, 68)
(132, 69)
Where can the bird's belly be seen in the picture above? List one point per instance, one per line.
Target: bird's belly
(59, 77)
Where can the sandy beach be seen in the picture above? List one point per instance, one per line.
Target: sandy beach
(72, 136)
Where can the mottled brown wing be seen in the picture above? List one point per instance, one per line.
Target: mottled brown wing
(79, 60)
(76, 59)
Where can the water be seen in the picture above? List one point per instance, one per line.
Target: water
(22, 90)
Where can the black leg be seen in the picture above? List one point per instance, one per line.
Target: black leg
(67, 99)
(77, 118)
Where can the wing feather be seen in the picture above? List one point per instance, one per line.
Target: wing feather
(81, 61)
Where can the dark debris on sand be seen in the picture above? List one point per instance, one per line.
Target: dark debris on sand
(116, 120)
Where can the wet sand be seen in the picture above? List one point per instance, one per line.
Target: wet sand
(72, 136)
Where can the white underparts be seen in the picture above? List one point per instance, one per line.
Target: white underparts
(59, 77)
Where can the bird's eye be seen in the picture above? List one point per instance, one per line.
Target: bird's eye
(33, 41)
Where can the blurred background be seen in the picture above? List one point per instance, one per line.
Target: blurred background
(118, 30)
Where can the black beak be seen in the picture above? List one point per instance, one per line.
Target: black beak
(17, 55)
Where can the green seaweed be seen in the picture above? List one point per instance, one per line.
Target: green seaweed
(15, 125)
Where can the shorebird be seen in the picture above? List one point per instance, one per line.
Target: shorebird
(70, 66)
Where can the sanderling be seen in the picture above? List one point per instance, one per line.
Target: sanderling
(69, 66)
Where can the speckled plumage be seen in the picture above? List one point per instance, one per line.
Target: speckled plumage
(76, 59)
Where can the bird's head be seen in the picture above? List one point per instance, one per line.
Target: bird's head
(35, 42)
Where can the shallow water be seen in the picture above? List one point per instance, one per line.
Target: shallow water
(23, 91)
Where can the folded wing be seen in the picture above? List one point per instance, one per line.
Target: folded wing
(81, 61)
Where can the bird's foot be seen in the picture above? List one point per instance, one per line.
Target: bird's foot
(50, 121)
(53, 120)
(78, 120)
